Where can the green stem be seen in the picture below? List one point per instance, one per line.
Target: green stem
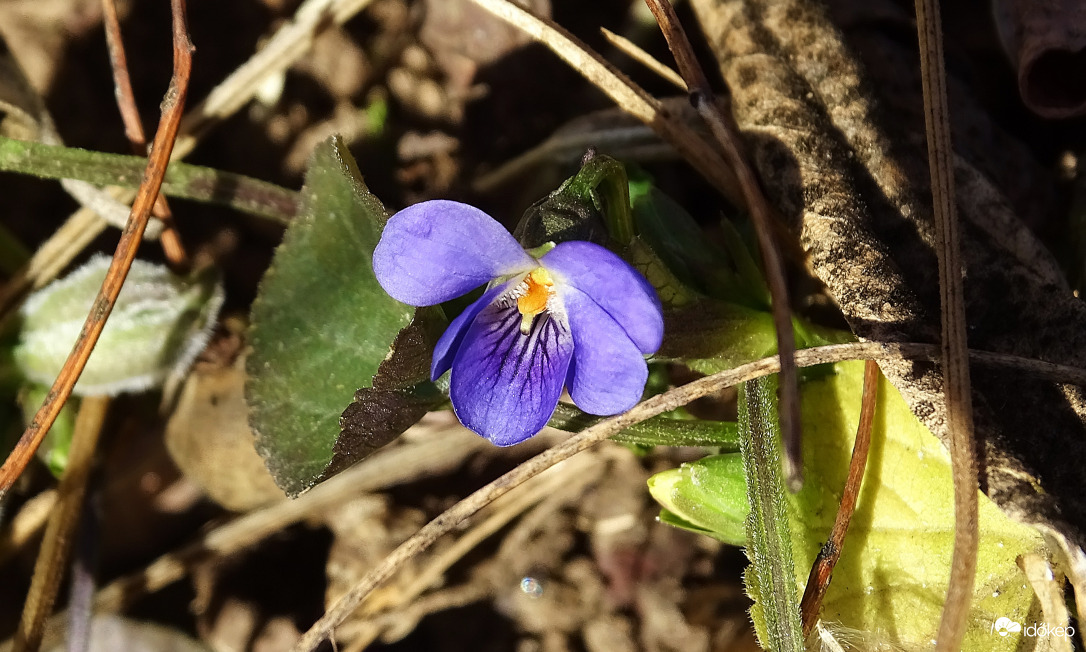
(194, 182)
(657, 431)
(772, 574)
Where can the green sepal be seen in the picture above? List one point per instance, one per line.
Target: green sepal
(398, 396)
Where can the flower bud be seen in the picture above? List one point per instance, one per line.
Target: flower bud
(707, 496)
(160, 323)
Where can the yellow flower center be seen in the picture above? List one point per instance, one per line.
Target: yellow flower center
(534, 292)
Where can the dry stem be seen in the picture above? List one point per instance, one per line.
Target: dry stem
(670, 400)
(955, 347)
(726, 132)
(133, 128)
(122, 258)
(56, 544)
(819, 579)
(632, 98)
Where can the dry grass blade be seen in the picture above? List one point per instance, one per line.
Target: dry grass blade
(53, 556)
(955, 347)
(726, 132)
(133, 128)
(632, 98)
(632, 50)
(27, 522)
(285, 47)
(819, 579)
(122, 258)
(670, 400)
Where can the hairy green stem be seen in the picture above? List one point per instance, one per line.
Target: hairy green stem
(194, 182)
(769, 537)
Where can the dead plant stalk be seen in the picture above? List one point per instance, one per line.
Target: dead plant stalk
(726, 133)
(133, 128)
(955, 347)
(129, 243)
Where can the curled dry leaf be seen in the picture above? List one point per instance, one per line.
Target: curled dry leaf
(1046, 40)
(841, 154)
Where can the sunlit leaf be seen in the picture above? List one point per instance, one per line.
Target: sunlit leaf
(890, 584)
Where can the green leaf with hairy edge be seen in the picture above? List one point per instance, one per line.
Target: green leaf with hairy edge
(890, 584)
(159, 324)
(888, 589)
(399, 395)
(707, 496)
(321, 324)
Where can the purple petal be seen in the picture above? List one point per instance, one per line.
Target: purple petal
(617, 288)
(608, 372)
(449, 342)
(437, 250)
(505, 385)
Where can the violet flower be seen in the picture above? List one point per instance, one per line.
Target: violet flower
(578, 317)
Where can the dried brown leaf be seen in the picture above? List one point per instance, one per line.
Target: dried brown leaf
(209, 438)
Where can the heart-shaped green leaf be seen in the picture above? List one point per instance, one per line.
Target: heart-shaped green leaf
(321, 324)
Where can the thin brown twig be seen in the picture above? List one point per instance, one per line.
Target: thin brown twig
(629, 96)
(398, 464)
(284, 47)
(129, 243)
(133, 129)
(670, 400)
(574, 477)
(819, 579)
(56, 544)
(632, 50)
(726, 132)
(955, 345)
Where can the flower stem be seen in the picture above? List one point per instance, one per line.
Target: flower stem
(769, 537)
